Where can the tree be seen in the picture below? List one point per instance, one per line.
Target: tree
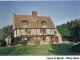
(64, 30)
(4, 31)
(75, 31)
(70, 31)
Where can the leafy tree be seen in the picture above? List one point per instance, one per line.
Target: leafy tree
(75, 31)
(64, 31)
(4, 31)
(70, 30)
(3, 43)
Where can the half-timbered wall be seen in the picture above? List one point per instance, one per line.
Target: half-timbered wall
(49, 32)
(8, 40)
(19, 32)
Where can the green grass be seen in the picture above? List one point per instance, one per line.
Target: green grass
(40, 50)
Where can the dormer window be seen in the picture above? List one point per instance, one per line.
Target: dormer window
(43, 23)
(24, 23)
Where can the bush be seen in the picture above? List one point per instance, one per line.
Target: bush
(24, 42)
(20, 42)
(76, 48)
(3, 44)
(37, 41)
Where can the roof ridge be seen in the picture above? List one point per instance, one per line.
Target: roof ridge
(22, 15)
(43, 16)
(29, 15)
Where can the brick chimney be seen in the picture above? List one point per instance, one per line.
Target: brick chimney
(34, 14)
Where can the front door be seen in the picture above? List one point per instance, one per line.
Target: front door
(51, 39)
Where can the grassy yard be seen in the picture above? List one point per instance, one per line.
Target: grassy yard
(40, 50)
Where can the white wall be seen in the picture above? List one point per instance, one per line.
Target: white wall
(8, 40)
(37, 31)
(60, 39)
(52, 31)
(23, 32)
(15, 33)
(19, 32)
(48, 31)
(47, 39)
(33, 32)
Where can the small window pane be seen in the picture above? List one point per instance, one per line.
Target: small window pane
(24, 23)
(43, 23)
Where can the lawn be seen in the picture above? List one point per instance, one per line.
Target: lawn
(40, 50)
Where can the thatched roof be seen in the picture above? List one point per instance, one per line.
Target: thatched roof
(33, 20)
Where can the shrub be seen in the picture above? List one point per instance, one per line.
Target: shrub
(37, 41)
(24, 42)
(3, 44)
(76, 48)
(20, 42)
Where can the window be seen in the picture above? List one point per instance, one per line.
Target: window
(43, 23)
(43, 31)
(28, 31)
(24, 23)
(44, 38)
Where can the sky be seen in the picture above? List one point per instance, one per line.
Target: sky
(59, 11)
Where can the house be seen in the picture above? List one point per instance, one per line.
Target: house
(33, 28)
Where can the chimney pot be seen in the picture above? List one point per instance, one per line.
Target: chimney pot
(34, 14)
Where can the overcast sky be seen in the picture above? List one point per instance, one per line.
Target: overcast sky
(59, 11)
